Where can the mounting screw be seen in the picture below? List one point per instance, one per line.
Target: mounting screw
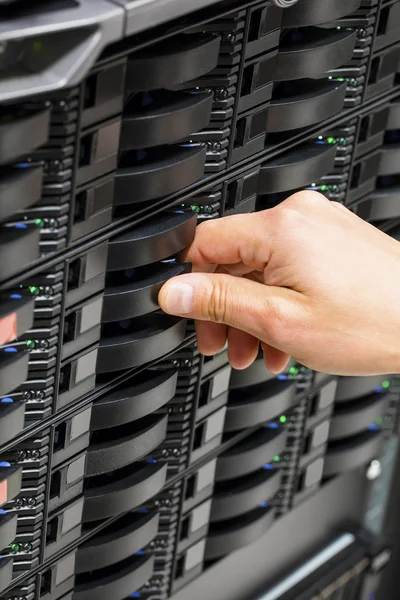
(374, 470)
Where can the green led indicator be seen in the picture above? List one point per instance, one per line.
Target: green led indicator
(276, 458)
(340, 79)
(34, 290)
(14, 548)
(39, 222)
(385, 384)
(331, 140)
(195, 208)
(379, 421)
(282, 419)
(324, 188)
(30, 344)
(293, 370)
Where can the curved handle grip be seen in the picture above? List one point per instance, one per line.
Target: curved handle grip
(351, 418)
(225, 537)
(8, 529)
(143, 395)
(322, 50)
(233, 498)
(313, 12)
(394, 115)
(253, 375)
(10, 480)
(296, 169)
(51, 52)
(184, 58)
(390, 160)
(126, 447)
(19, 247)
(155, 240)
(6, 572)
(259, 405)
(141, 297)
(353, 452)
(121, 540)
(12, 417)
(16, 316)
(167, 118)
(23, 133)
(251, 453)
(351, 388)
(13, 370)
(117, 582)
(119, 493)
(164, 171)
(322, 100)
(161, 335)
(19, 188)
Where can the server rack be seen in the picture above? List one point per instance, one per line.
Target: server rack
(130, 465)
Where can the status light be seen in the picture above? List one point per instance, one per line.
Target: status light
(283, 419)
(385, 384)
(276, 458)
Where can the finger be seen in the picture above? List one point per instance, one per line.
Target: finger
(242, 348)
(234, 301)
(232, 240)
(211, 337)
(275, 360)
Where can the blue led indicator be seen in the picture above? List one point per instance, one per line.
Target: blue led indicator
(6, 400)
(379, 390)
(21, 226)
(273, 425)
(135, 595)
(263, 504)
(139, 553)
(10, 349)
(282, 377)
(16, 296)
(268, 467)
(373, 427)
(23, 165)
(2, 511)
(5, 464)
(143, 510)
(151, 460)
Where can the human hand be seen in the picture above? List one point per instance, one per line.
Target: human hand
(308, 278)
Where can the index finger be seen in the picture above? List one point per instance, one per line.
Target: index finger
(237, 239)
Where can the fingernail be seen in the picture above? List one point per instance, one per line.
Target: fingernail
(179, 299)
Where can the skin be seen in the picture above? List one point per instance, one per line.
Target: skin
(306, 279)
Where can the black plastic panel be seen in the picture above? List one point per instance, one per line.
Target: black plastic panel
(124, 490)
(353, 417)
(13, 370)
(184, 58)
(137, 342)
(258, 404)
(253, 375)
(352, 452)
(116, 582)
(251, 453)
(139, 296)
(156, 240)
(227, 536)
(319, 51)
(19, 188)
(143, 395)
(117, 542)
(350, 388)
(22, 133)
(120, 446)
(296, 169)
(158, 118)
(314, 12)
(233, 498)
(303, 104)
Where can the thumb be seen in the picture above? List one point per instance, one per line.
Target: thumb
(234, 301)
